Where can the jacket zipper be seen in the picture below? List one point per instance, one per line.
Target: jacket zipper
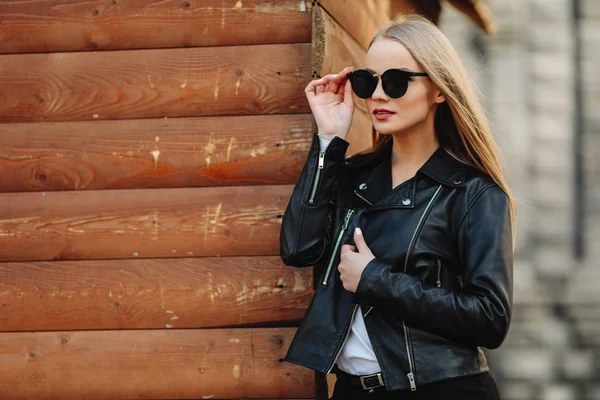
(347, 219)
(439, 274)
(320, 167)
(337, 245)
(411, 374)
(346, 334)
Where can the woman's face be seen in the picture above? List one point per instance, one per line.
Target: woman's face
(410, 111)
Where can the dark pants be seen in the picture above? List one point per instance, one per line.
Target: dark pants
(477, 387)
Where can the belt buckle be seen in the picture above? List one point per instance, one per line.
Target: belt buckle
(371, 381)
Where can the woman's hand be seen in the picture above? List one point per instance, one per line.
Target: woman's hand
(331, 102)
(352, 263)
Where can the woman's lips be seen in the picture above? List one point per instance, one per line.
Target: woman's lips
(381, 115)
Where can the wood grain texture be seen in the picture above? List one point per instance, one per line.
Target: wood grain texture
(335, 49)
(361, 19)
(149, 294)
(159, 364)
(77, 25)
(144, 223)
(154, 153)
(132, 84)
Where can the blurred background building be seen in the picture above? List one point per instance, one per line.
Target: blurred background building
(539, 79)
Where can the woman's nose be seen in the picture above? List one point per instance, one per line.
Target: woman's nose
(379, 94)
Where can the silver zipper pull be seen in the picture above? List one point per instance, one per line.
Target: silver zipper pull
(321, 159)
(439, 281)
(347, 219)
(411, 380)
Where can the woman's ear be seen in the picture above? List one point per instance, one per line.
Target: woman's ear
(439, 96)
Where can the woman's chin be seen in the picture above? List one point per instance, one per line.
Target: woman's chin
(385, 129)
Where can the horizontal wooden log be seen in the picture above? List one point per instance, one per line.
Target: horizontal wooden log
(159, 364)
(147, 294)
(178, 152)
(51, 26)
(144, 223)
(335, 49)
(207, 81)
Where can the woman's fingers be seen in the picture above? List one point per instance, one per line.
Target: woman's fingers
(314, 85)
(321, 87)
(325, 83)
(333, 83)
(311, 88)
(342, 86)
(343, 75)
(337, 81)
(348, 98)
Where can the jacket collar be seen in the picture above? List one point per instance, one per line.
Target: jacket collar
(444, 168)
(441, 166)
(361, 160)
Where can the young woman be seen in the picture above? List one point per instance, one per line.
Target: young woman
(412, 240)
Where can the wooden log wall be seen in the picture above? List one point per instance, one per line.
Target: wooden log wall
(40, 26)
(147, 152)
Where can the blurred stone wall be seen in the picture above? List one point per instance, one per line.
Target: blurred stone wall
(531, 75)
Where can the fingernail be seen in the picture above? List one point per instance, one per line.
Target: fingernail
(358, 231)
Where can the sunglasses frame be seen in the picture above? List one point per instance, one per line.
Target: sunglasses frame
(408, 74)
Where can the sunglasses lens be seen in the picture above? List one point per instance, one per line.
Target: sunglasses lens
(395, 83)
(363, 83)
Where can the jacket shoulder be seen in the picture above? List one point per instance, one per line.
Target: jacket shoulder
(476, 179)
(478, 182)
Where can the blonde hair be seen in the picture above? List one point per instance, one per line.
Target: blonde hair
(461, 125)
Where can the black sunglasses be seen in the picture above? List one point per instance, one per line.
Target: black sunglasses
(394, 82)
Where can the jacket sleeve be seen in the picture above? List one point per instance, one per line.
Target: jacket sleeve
(304, 234)
(480, 314)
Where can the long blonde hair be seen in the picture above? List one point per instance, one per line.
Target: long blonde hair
(460, 123)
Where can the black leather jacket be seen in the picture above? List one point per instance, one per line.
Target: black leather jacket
(441, 283)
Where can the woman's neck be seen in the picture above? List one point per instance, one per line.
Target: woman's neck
(410, 152)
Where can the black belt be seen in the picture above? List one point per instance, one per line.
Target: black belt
(367, 382)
